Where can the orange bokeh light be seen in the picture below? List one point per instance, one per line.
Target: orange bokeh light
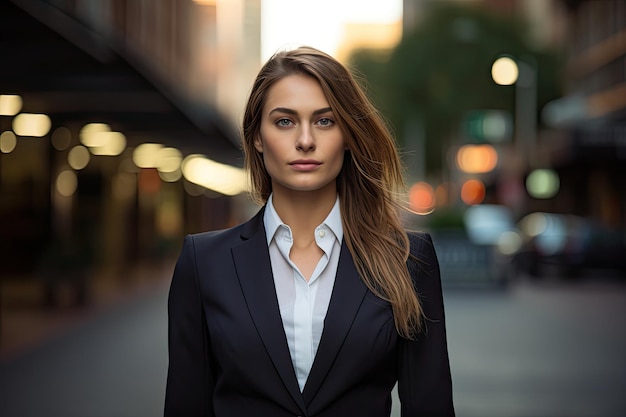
(473, 192)
(422, 198)
(476, 159)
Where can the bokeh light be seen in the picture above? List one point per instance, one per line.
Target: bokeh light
(146, 155)
(224, 179)
(534, 224)
(422, 198)
(66, 183)
(31, 124)
(8, 141)
(504, 71)
(473, 192)
(476, 159)
(78, 157)
(550, 231)
(10, 104)
(543, 183)
(509, 242)
(112, 144)
(89, 134)
(168, 160)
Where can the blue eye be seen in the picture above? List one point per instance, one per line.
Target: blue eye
(283, 122)
(325, 121)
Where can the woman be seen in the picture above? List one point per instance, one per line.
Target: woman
(319, 304)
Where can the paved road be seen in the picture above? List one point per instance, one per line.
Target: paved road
(539, 351)
(112, 366)
(548, 351)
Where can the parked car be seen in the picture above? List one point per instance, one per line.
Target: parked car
(568, 246)
(480, 253)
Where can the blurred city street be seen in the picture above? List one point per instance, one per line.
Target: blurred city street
(548, 349)
(120, 128)
(539, 350)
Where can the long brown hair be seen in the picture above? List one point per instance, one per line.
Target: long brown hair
(368, 183)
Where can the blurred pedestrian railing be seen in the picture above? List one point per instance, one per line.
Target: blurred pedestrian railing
(462, 262)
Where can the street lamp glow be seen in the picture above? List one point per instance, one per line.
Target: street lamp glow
(146, 155)
(89, 134)
(10, 104)
(504, 71)
(30, 124)
(110, 143)
(224, 179)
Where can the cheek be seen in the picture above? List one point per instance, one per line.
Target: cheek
(271, 156)
(269, 143)
(340, 152)
(269, 150)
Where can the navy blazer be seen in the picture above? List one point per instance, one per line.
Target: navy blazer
(229, 357)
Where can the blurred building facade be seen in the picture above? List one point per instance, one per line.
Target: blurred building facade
(589, 123)
(169, 74)
(380, 37)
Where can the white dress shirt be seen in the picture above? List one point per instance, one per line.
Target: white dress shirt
(303, 304)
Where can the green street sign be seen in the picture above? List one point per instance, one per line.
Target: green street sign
(487, 126)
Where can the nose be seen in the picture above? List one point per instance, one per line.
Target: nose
(305, 141)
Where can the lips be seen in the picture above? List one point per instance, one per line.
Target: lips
(305, 164)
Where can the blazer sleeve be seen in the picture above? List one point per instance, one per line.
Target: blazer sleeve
(424, 379)
(189, 379)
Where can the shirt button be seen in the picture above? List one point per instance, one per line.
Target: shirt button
(321, 233)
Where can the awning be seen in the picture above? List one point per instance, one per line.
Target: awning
(63, 69)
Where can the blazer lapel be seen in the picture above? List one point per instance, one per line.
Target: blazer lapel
(345, 301)
(254, 270)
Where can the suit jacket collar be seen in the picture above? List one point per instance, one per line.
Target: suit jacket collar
(252, 262)
(345, 301)
(254, 270)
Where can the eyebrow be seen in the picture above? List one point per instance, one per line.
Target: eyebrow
(293, 112)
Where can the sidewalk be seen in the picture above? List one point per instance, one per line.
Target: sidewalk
(25, 321)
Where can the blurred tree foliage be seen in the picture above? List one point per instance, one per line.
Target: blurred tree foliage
(442, 69)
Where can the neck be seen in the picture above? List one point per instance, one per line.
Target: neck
(303, 211)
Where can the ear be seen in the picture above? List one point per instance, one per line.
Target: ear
(258, 144)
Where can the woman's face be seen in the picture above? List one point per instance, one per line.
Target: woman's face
(301, 143)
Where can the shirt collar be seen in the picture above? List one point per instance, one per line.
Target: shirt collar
(272, 221)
